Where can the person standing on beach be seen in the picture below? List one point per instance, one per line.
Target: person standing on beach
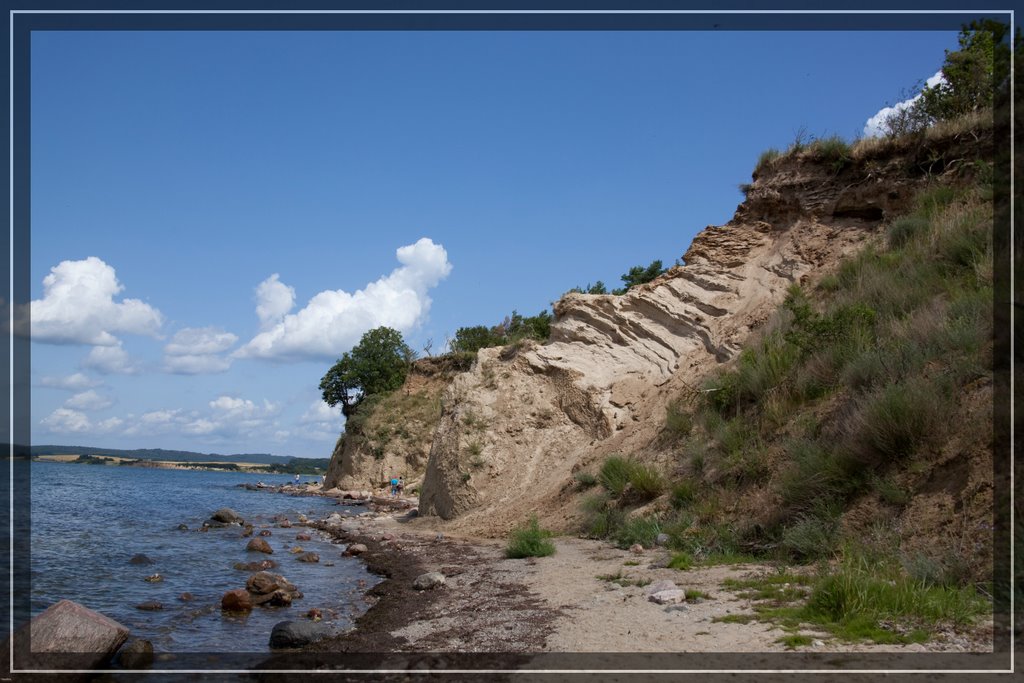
(394, 487)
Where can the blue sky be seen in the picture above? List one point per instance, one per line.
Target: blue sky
(175, 173)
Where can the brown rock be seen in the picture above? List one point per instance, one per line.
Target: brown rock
(285, 524)
(237, 600)
(309, 557)
(186, 597)
(265, 532)
(154, 578)
(150, 605)
(355, 549)
(281, 598)
(248, 531)
(303, 537)
(260, 566)
(259, 545)
(262, 583)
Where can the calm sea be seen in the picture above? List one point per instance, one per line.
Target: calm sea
(89, 520)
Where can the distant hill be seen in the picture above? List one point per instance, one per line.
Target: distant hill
(161, 454)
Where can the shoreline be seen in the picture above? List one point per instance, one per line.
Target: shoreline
(517, 611)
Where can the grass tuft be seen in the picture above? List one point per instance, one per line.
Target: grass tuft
(529, 541)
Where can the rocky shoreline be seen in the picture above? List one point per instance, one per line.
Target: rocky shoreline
(447, 602)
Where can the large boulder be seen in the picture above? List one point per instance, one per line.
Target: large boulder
(297, 633)
(227, 516)
(259, 545)
(67, 627)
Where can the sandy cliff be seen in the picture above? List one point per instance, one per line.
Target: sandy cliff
(514, 429)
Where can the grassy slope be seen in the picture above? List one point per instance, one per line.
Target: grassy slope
(865, 393)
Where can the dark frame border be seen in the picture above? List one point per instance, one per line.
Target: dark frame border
(24, 21)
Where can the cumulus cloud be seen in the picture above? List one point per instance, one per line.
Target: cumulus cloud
(333, 321)
(66, 421)
(78, 307)
(111, 360)
(875, 125)
(88, 401)
(273, 300)
(197, 350)
(73, 382)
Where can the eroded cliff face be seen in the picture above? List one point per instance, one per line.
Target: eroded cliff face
(392, 435)
(514, 429)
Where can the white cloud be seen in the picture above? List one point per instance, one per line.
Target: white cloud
(875, 125)
(88, 401)
(196, 350)
(78, 307)
(111, 424)
(333, 321)
(66, 421)
(111, 360)
(273, 300)
(320, 412)
(74, 382)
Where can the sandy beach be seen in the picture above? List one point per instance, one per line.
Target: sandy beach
(581, 606)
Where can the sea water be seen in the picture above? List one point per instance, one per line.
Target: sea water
(87, 521)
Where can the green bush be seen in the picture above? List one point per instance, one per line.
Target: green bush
(642, 530)
(645, 482)
(585, 480)
(682, 561)
(678, 422)
(906, 228)
(618, 473)
(894, 421)
(813, 536)
(614, 474)
(683, 493)
(530, 541)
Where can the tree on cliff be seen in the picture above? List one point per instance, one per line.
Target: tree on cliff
(377, 364)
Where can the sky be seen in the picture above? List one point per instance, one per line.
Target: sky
(217, 217)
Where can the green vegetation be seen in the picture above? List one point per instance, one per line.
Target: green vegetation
(300, 466)
(92, 460)
(530, 541)
(637, 275)
(621, 476)
(514, 329)
(848, 396)
(376, 365)
(859, 600)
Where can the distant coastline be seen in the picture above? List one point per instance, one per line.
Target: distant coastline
(197, 465)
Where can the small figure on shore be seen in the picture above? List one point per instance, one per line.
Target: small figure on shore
(323, 480)
(400, 487)
(296, 479)
(394, 487)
